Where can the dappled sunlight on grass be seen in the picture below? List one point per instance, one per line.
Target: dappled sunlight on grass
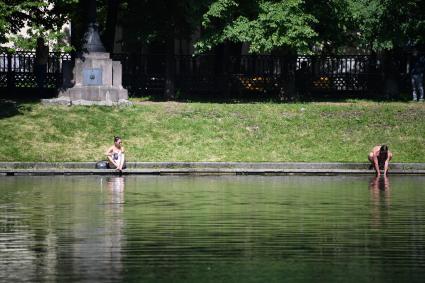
(172, 131)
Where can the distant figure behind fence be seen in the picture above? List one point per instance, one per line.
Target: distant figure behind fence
(40, 64)
(417, 68)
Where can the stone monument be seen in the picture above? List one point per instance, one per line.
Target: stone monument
(95, 79)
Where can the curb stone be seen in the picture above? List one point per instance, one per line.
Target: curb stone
(206, 168)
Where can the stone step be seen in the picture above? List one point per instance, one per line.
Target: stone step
(213, 165)
(201, 171)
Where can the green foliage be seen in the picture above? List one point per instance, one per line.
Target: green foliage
(14, 14)
(56, 39)
(389, 24)
(306, 26)
(152, 22)
(303, 26)
(42, 18)
(334, 25)
(265, 25)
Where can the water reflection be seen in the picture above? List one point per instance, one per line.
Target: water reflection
(381, 199)
(212, 229)
(114, 224)
(381, 183)
(103, 238)
(116, 191)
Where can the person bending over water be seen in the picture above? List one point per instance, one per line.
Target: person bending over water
(115, 155)
(380, 157)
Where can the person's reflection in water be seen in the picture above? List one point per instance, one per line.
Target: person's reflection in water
(114, 223)
(116, 190)
(381, 199)
(97, 250)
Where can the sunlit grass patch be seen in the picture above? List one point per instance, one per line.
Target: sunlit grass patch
(257, 132)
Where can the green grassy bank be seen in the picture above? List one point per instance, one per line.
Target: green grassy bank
(170, 131)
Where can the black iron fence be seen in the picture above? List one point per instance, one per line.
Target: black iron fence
(17, 69)
(259, 75)
(251, 76)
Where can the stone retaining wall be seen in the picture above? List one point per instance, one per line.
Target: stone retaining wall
(235, 168)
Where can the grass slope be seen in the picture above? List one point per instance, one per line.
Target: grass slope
(170, 131)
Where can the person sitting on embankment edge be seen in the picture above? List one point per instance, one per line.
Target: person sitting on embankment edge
(115, 155)
(380, 157)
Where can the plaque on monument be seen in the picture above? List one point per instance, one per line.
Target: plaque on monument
(92, 76)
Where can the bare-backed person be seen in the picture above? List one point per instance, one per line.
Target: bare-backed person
(380, 157)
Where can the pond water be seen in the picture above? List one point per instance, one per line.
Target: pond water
(212, 229)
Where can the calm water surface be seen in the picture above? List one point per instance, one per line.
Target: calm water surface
(212, 229)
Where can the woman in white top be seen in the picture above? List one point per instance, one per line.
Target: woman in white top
(115, 155)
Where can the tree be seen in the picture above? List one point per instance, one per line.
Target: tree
(156, 24)
(308, 25)
(336, 31)
(15, 13)
(42, 18)
(389, 24)
(56, 39)
(151, 22)
(390, 28)
(111, 23)
(265, 25)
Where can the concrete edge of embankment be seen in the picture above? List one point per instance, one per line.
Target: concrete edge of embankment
(206, 168)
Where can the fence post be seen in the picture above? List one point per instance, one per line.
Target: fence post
(10, 71)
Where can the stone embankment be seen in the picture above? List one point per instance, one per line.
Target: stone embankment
(205, 168)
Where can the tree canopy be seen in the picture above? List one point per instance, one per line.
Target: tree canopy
(308, 25)
(40, 17)
(388, 24)
(15, 13)
(147, 22)
(266, 25)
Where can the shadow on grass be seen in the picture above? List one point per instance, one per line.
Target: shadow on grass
(264, 98)
(10, 108)
(15, 101)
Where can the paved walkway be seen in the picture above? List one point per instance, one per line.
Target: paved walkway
(205, 168)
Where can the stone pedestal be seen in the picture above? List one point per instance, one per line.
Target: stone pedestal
(95, 80)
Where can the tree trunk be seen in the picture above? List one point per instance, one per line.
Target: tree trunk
(289, 79)
(288, 60)
(373, 75)
(79, 22)
(111, 23)
(224, 67)
(170, 69)
(391, 82)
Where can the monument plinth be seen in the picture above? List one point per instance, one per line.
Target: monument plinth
(96, 81)
(95, 78)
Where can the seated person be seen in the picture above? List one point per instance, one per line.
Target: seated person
(115, 155)
(380, 157)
